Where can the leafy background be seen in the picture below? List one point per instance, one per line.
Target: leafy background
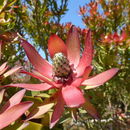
(36, 20)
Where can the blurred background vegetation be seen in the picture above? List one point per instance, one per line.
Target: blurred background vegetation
(109, 21)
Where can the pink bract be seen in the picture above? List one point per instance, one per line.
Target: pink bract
(4, 72)
(69, 93)
(13, 109)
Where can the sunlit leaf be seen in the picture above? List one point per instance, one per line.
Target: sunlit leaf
(1, 95)
(34, 126)
(40, 110)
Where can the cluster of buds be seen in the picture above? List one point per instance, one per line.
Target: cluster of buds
(83, 10)
(114, 38)
(93, 8)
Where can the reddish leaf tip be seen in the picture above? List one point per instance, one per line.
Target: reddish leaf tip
(73, 29)
(55, 45)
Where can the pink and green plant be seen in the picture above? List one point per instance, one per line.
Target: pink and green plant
(70, 70)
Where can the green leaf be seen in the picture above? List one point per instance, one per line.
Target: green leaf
(11, 3)
(17, 126)
(44, 95)
(33, 126)
(40, 110)
(2, 4)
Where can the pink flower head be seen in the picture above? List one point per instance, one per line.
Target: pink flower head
(68, 72)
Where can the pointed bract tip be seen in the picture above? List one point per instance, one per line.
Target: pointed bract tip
(115, 70)
(73, 29)
(89, 33)
(52, 125)
(23, 91)
(56, 45)
(30, 103)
